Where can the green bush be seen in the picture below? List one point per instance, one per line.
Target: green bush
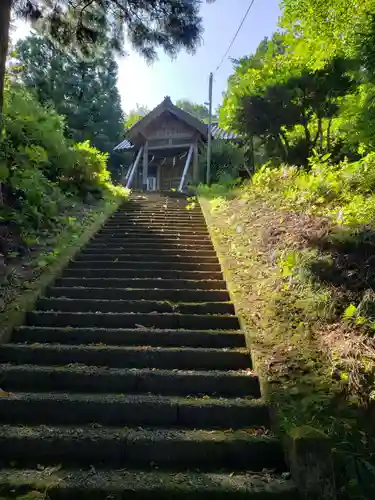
(86, 172)
(227, 160)
(41, 172)
(343, 191)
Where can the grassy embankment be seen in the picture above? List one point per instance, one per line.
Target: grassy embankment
(299, 254)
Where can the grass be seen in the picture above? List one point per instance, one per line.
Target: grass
(302, 285)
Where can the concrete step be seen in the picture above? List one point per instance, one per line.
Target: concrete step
(104, 484)
(118, 263)
(134, 306)
(125, 245)
(173, 321)
(122, 272)
(143, 283)
(148, 253)
(170, 294)
(155, 226)
(151, 230)
(154, 220)
(155, 235)
(156, 241)
(125, 381)
(181, 358)
(128, 410)
(170, 210)
(128, 337)
(158, 215)
(177, 448)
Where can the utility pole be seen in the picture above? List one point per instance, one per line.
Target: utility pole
(209, 141)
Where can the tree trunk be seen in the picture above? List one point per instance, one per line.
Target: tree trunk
(329, 135)
(5, 10)
(283, 145)
(320, 125)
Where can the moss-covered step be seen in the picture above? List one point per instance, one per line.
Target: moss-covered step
(132, 320)
(125, 381)
(156, 235)
(147, 253)
(175, 448)
(109, 229)
(121, 262)
(157, 218)
(169, 294)
(154, 239)
(166, 273)
(139, 246)
(102, 484)
(163, 229)
(136, 306)
(127, 336)
(134, 410)
(143, 283)
(183, 358)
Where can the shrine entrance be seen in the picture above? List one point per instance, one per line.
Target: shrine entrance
(166, 145)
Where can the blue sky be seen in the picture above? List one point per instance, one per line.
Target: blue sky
(187, 76)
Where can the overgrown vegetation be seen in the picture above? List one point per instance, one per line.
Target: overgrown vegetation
(311, 87)
(299, 238)
(227, 160)
(300, 249)
(45, 179)
(83, 91)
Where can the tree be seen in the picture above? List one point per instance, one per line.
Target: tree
(198, 110)
(135, 115)
(253, 74)
(149, 24)
(320, 30)
(303, 101)
(269, 117)
(84, 92)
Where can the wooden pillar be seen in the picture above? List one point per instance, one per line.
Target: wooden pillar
(187, 164)
(196, 164)
(158, 176)
(145, 167)
(134, 168)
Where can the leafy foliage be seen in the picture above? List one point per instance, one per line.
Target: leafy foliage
(227, 160)
(135, 115)
(200, 111)
(84, 92)
(320, 66)
(300, 246)
(42, 173)
(83, 27)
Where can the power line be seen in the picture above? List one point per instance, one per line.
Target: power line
(235, 36)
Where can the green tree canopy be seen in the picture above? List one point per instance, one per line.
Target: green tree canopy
(149, 24)
(200, 111)
(84, 92)
(135, 115)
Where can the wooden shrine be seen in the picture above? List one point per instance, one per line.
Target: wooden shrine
(166, 145)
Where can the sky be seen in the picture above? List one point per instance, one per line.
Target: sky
(186, 77)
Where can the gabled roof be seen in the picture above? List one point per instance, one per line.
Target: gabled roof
(216, 132)
(168, 106)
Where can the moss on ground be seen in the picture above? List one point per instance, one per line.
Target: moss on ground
(292, 291)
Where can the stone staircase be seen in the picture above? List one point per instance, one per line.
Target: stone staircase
(131, 378)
